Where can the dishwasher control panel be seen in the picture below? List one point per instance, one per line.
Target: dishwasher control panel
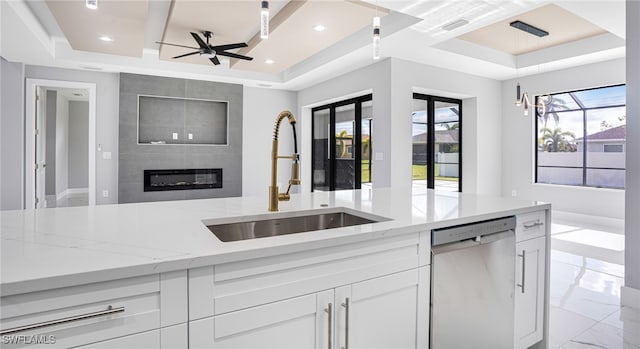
(472, 230)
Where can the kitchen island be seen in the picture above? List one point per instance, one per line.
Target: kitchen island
(153, 274)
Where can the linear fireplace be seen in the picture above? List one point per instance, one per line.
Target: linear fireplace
(201, 178)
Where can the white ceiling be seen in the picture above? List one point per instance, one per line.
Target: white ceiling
(411, 31)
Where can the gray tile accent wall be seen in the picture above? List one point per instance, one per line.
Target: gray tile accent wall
(134, 158)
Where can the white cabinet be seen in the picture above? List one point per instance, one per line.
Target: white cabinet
(146, 340)
(389, 311)
(290, 323)
(530, 292)
(123, 313)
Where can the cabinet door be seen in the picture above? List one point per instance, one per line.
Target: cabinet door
(145, 340)
(291, 323)
(386, 312)
(529, 293)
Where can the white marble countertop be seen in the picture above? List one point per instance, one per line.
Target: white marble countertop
(57, 247)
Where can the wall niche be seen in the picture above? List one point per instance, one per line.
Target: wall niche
(171, 120)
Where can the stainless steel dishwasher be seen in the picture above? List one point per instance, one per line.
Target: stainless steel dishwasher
(472, 286)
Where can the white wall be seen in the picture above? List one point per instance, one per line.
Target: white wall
(78, 144)
(261, 107)
(392, 83)
(519, 134)
(375, 79)
(107, 91)
(632, 222)
(62, 145)
(481, 106)
(11, 135)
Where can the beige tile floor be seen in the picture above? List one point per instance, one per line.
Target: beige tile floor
(587, 271)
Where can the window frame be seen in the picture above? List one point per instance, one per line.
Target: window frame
(584, 110)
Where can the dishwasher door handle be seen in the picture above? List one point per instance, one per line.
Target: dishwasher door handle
(522, 277)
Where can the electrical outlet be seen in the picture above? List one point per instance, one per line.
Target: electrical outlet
(514, 193)
(175, 135)
(105, 193)
(190, 135)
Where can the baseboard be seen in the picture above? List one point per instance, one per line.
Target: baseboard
(71, 191)
(614, 225)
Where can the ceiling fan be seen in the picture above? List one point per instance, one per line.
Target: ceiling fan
(212, 52)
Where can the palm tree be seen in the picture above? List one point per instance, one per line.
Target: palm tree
(557, 140)
(343, 145)
(553, 106)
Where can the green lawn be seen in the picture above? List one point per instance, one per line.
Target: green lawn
(420, 172)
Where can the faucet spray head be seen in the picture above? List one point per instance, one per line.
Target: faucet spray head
(295, 172)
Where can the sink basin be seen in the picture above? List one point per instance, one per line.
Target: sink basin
(259, 228)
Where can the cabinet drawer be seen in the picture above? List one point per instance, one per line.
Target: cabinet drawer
(530, 225)
(238, 285)
(83, 314)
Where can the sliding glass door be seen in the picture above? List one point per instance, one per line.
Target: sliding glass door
(437, 142)
(341, 144)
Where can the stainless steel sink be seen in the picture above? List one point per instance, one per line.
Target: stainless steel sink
(286, 225)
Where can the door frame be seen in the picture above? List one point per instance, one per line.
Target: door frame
(431, 135)
(30, 134)
(357, 146)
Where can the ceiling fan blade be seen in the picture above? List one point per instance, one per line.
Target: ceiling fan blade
(214, 60)
(201, 43)
(234, 55)
(186, 54)
(166, 43)
(228, 46)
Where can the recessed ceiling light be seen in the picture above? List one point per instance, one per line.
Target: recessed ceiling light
(269, 61)
(105, 38)
(319, 28)
(91, 4)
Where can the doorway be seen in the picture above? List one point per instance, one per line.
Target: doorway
(60, 146)
(341, 145)
(437, 142)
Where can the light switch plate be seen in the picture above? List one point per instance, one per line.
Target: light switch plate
(106, 155)
(379, 156)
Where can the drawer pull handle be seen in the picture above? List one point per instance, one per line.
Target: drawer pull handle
(533, 225)
(346, 323)
(110, 310)
(329, 311)
(521, 284)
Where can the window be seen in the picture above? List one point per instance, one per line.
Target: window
(346, 125)
(436, 156)
(613, 148)
(580, 139)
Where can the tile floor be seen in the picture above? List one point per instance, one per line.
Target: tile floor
(587, 271)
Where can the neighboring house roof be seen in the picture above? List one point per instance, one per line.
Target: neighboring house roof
(617, 133)
(442, 136)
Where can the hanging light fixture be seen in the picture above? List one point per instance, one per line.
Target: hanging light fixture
(522, 99)
(91, 4)
(376, 37)
(264, 20)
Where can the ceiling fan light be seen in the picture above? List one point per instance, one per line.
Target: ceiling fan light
(91, 4)
(264, 20)
(376, 37)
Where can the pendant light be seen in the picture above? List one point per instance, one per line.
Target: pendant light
(522, 99)
(376, 37)
(264, 20)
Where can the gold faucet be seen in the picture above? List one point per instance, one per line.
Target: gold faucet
(274, 194)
